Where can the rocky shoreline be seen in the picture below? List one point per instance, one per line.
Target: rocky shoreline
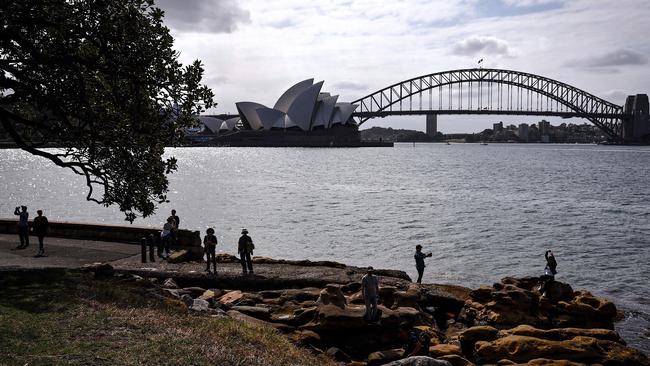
(321, 308)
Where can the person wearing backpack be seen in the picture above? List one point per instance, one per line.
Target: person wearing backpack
(210, 249)
(245, 249)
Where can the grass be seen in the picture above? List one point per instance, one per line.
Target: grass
(61, 317)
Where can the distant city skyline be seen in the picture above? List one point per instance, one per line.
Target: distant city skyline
(253, 50)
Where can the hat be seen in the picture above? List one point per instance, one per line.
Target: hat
(370, 269)
(244, 231)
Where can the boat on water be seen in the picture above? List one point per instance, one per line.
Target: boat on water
(484, 143)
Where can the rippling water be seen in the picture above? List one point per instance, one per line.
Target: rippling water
(484, 211)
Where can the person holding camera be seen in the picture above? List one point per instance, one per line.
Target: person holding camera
(419, 261)
(549, 272)
(23, 226)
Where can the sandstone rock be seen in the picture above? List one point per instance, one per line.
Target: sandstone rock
(351, 287)
(251, 320)
(279, 297)
(332, 294)
(230, 297)
(331, 317)
(254, 311)
(179, 256)
(170, 283)
(226, 258)
(445, 349)
(419, 361)
(547, 362)
(337, 354)
(482, 294)
(560, 334)
(293, 315)
(211, 294)
(474, 334)
(195, 292)
(171, 293)
(521, 349)
(199, 305)
(383, 357)
(387, 296)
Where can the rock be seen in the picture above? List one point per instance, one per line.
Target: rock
(230, 297)
(279, 297)
(176, 304)
(187, 299)
(337, 354)
(170, 283)
(104, 270)
(226, 258)
(547, 362)
(444, 349)
(521, 349)
(211, 294)
(251, 320)
(332, 294)
(179, 256)
(199, 305)
(305, 337)
(560, 334)
(474, 334)
(383, 357)
(254, 311)
(387, 296)
(294, 316)
(419, 361)
(482, 294)
(351, 287)
(171, 293)
(195, 292)
(333, 318)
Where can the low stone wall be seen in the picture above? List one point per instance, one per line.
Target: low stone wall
(187, 239)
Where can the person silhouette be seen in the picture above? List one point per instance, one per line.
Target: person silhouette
(245, 248)
(419, 261)
(23, 226)
(40, 228)
(210, 248)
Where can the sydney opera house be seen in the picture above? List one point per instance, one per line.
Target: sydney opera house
(302, 116)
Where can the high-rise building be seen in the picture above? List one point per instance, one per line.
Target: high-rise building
(522, 132)
(497, 127)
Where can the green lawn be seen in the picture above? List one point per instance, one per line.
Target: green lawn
(60, 317)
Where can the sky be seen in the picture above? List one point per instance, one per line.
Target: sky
(253, 50)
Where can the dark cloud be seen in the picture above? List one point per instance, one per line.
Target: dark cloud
(350, 85)
(212, 16)
(621, 57)
(479, 46)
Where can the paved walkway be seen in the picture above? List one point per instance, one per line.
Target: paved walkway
(61, 253)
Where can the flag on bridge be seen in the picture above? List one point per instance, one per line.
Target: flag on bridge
(480, 61)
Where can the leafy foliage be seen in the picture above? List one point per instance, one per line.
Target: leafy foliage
(100, 80)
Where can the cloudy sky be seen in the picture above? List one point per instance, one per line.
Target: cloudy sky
(255, 49)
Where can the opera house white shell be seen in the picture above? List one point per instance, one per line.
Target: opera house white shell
(302, 106)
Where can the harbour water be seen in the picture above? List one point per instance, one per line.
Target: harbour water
(485, 212)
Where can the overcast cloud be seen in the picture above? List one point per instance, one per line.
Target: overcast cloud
(255, 49)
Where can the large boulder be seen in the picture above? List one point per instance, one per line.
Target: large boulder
(521, 349)
(419, 361)
(252, 320)
(559, 334)
(254, 311)
(180, 256)
(294, 315)
(200, 305)
(231, 297)
(470, 336)
(333, 295)
(195, 292)
(444, 349)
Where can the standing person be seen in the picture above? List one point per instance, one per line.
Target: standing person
(370, 292)
(40, 227)
(549, 272)
(23, 226)
(419, 261)
(210, 248)
(245, 249)
(176, 222)
(166, 236)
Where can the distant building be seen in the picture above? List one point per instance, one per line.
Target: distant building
(544, 130)
(432, 125)
(522, 132)
(497, 127)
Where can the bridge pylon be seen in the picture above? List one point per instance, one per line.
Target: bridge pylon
(636, 127)
(432, 125)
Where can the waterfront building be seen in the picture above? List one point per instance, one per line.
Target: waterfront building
(497, 127)
(522, 132)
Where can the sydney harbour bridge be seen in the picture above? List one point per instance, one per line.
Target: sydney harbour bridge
(505, 92)
(464, 91)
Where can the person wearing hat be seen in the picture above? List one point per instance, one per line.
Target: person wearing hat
(419, 261)
(370, 292)
(210, 248)
(245, 249)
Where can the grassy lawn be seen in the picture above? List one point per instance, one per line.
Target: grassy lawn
(60, 317)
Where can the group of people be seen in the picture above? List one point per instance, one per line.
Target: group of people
(417, 341)
(40, 228)
(245, 249)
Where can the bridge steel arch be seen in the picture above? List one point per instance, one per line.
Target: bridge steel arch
(492, 91)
